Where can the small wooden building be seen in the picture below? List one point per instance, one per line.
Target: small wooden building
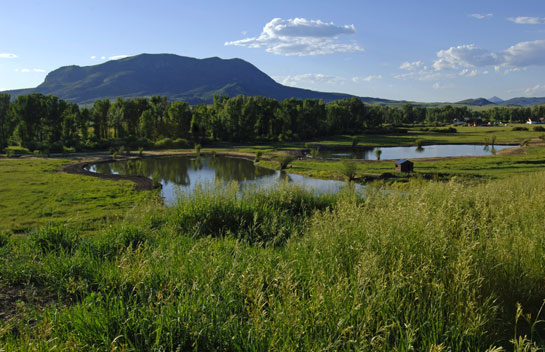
(404, 166)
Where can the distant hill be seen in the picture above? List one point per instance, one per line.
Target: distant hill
(495, 100)
(524, 101)
(176, 77)
(476, 102)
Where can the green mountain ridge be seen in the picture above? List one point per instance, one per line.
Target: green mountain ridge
(176, 77)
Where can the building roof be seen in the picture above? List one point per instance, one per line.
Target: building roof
(402, 161)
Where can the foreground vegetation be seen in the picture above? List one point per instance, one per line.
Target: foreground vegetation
(441, 266)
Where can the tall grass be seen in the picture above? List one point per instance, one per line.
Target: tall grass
(441, 266)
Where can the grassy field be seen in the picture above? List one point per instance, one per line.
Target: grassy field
(464, 134)
(444, 266)
(33, 193)
(93, 265)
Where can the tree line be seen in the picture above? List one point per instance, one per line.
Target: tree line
(47, 123)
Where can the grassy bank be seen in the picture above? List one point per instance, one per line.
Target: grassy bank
(439, 267)
(33, 193)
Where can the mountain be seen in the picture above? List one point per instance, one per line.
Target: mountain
(176, 77)
(522, 101)
(476, 102)
(495, 100)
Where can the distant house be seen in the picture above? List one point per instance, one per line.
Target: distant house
(535, 120)
(404, 166)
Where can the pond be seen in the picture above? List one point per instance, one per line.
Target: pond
(427, 151)
(183, 173)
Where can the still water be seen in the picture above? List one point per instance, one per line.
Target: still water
(181, 174)
(427, 151)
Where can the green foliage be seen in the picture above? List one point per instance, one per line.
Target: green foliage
(54, 238)
(378, 153)
(15, 150)
(437, 266)
(258, 155)
(266, 216)
(348, 169)
(284, 160)
(315, 152)
(355, 141)
(538, 129)
(140, 151)
(519, 128)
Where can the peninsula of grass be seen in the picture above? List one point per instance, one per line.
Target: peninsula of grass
(33, 192)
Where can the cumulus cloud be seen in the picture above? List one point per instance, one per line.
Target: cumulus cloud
(366, 79)
(93, 57)
(437, 85)
(300, 37)
(537, 89)
(527, 20)
(411, 65)
(522, 54)
(309, 78)
(465, 56)
(467, 73)
(479, 16)
(117, 57)
(7, 56)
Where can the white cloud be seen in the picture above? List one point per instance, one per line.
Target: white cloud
(309, 78)
(425, 74)
(522, 54)
(93, 57)
(465, 56)
(366, 79)
(479, 16)
(300, 37)
(103, 57)
(7, 56)
(537, 89)
(526, 54)
(117, 57)
(527, 20)
(467, 73)
(437, 85)
(27, 70)
(411, 65)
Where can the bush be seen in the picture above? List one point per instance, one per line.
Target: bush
(519, 128)
(181, 143)
(284, 160)
(258, 156)
(15, 150)
(348, 169)
(539, 129)
(54, 238)
(164, 143)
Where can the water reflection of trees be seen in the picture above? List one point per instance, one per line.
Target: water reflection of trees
(232, 169)
(176, 169)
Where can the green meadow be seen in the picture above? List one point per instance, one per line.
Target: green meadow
(452, 263)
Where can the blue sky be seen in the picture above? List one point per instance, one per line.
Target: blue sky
(412, 50)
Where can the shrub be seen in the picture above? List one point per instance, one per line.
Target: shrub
(538, 129)
(444, 130)
(284, 160)
(4, 239)
(15, 150)
(258, 156)
(181, 143)
(355, 141)
(378, 153)
(54, 238)
(348, 169)
(163, 143)
(198, 149)
(519, 128)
